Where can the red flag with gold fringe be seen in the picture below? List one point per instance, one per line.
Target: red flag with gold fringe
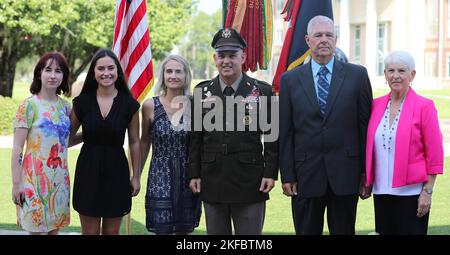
(253, 19)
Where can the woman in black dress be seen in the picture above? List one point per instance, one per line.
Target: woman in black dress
(105, 109)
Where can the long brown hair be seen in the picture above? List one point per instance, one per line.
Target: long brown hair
(91, 85)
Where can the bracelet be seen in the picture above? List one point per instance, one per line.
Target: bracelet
(428, 191)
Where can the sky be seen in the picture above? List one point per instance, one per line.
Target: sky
(210, 6)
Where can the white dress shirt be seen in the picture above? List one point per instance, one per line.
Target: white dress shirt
(384, 161)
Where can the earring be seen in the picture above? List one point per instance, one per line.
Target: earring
(410, 84)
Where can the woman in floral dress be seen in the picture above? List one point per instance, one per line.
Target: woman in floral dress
(41, 186)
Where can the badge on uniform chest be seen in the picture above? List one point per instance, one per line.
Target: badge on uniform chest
(246, 111)
(232, 114)
(253, 96)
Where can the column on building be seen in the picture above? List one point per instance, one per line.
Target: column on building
(400, 27)
(344, 27)
(441, 43)
(417, 34)
(371, 37)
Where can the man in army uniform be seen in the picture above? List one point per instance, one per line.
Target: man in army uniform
(231, 168)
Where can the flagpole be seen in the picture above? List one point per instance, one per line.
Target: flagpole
(128, 216)
(133, 16)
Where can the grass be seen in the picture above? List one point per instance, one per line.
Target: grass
(278, 219)
(21, 90)
(278, 213)
(441, 98)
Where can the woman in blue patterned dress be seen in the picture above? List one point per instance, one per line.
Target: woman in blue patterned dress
(171, 207)
(41, 185)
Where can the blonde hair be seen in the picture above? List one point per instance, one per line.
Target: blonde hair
(160, 87)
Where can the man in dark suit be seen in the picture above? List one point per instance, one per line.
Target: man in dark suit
(324, 113)
(231, 168)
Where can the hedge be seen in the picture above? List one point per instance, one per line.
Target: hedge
(8, 108)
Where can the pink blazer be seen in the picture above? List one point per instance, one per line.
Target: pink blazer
(418, 146)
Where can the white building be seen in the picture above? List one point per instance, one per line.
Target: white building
(368, 29)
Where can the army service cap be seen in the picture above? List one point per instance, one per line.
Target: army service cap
(228, 39)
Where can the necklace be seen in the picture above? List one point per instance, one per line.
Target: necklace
(388, 132)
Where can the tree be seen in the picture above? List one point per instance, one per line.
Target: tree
(197, 45)
(90, 29)
(20, 21)
(77, 28)
(169, 22)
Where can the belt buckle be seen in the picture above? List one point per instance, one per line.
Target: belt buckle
(224, 149)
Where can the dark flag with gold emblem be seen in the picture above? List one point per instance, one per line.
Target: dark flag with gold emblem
(295, 50)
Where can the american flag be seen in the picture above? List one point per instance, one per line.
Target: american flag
(132, 45)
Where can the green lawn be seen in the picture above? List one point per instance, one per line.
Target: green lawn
(440, 97)
(278, 214)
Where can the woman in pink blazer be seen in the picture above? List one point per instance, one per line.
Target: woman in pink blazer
(404, 152)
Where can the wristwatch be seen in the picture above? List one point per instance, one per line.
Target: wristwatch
(428, 191)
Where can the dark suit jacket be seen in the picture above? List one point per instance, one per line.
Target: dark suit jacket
(316, 149)
(231, 164)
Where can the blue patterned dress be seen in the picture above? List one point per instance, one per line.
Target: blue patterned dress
(169, 203)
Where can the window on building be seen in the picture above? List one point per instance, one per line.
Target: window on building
(381, 46)
(430, 63)
(357, 49)
(432, 18)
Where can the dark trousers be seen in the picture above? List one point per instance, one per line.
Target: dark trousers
(308, 214)
(397, 215)
(248, 219)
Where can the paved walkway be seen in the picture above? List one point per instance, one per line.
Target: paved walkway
(23, 233)
(13, 232)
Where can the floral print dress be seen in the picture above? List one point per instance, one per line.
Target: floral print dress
(45, 172)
